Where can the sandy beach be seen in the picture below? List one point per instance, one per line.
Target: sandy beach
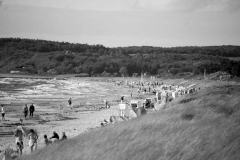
(52, 111)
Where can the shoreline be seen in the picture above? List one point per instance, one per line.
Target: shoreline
(86, 114)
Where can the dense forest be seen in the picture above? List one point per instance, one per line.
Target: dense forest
(41, 57)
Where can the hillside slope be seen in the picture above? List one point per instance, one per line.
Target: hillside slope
(48, 57)
(201, 126)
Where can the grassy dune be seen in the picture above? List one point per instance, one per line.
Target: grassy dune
(200, 126)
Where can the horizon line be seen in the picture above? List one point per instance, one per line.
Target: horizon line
(122, 46)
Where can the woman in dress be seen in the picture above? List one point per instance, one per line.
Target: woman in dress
(33, 137)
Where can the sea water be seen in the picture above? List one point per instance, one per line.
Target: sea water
(22, 89)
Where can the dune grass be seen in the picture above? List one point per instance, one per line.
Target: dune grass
(200, 126)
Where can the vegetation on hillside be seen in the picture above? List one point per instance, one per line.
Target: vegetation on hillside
(40, 56)
(203, 125)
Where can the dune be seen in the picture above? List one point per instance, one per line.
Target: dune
(203, 125)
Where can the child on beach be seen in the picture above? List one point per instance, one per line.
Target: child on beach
(32, 136)
(46, 140)
(3, 113)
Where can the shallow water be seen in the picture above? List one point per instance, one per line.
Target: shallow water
(30, 90)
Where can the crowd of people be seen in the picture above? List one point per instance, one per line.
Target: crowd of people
(31, 135)
(54, 138)
(161, 94)
(33, 139)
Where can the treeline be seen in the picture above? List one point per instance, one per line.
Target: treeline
(40, 56)
(36, 45)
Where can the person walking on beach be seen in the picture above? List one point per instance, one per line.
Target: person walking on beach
(25, 111)
(3, 113)
(19, 133)
(31, 110)
(33, 137)
(70, 103)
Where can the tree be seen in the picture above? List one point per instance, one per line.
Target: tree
(235, 70)
(174, 71)
(161, 71)
(123, 71)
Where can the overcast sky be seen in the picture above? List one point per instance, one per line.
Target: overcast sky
(114, 23)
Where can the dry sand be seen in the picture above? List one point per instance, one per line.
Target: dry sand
(84, 116)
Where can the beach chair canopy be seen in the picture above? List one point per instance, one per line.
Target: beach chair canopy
(134, 103)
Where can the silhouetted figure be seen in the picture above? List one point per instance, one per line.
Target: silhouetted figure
(55, 137)
(25, 111)
(31, 110)
(122, 99)
(70, 103)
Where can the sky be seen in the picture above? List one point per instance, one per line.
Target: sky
(115, 23)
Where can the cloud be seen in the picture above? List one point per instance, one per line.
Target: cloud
(134, 5)
(207, 5)
(185, 5)
(233, 5)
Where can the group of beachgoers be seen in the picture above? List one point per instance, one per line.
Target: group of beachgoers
(163, 94)
(31, 109)
(32, 137)
(153, 87)
(54, 138)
